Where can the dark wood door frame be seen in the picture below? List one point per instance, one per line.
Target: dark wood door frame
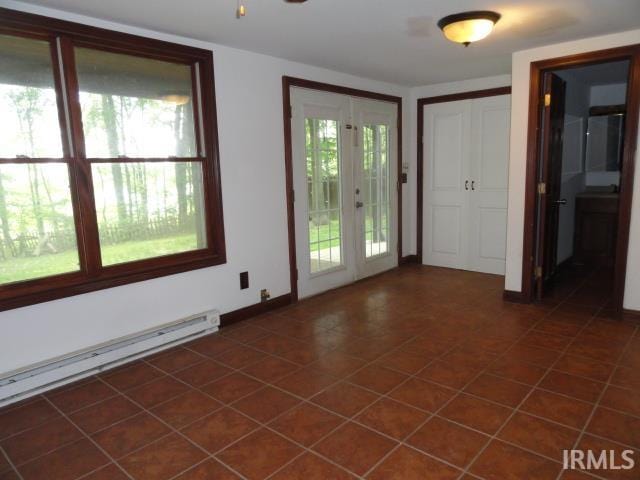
(287, 84)
(631, 53)
(489, 92)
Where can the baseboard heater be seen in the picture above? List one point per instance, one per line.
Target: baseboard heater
(20, 384)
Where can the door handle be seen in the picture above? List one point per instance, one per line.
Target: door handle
(466, 184)
(359, 204)
(562, 201)
(473, 185)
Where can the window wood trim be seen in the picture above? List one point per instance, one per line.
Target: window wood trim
(92, 275)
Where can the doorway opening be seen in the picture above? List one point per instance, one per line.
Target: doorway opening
(580, 177)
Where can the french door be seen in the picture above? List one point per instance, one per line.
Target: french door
(345, 177)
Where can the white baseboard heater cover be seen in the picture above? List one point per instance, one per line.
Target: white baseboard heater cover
(20, 384)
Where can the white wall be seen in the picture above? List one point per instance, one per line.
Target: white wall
(433, 91)
(249, 103)
(518, 155)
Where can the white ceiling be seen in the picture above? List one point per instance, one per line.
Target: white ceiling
(391, 40)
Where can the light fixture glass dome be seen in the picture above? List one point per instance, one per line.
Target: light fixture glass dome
(176, 99)
(468, 27)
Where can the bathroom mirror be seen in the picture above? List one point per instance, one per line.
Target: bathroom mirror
(605, 135)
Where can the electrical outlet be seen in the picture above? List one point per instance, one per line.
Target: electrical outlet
(264, 295)
(244, 280)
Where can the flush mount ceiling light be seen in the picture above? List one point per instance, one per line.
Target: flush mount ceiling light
(241, 10)
(467, 27)
(176, 99)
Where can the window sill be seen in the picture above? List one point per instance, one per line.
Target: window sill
(54, 288)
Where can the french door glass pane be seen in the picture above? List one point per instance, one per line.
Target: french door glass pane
(135, 106)
(37, 230)
(324, 194)
(375, 171)
(30, 125)
(148, 210)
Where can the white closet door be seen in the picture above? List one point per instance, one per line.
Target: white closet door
(489, 176)
(446, 143)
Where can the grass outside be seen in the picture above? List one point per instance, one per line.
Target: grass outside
(129, 251)
(319, 238)
(27, 268)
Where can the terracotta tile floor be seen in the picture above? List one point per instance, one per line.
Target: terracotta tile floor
(420, 373)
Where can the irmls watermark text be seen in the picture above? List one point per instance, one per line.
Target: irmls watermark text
(598, 460)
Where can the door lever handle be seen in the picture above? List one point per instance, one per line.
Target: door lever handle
(562, 201)
(359, 204)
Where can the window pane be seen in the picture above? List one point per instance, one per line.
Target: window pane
(37, 231)
(28, 108)
(376, 189)
(324, 196)
(133, 106)
(148, 209)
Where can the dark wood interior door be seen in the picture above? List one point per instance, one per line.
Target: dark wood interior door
(550, 180)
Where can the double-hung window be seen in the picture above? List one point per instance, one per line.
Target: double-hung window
(109, 169)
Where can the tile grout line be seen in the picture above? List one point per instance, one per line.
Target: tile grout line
(348, 419)
(230, 406)
(597, 404)
(172, 430)
(196, 465)
(10, 463)
(374, 362)
(145, 410)
(67, 416)
(274, 418)
(367, 363)
(304, 400)
(142, 410)
(267, 426)
(458, 392)
(516, 409)
(95, 444)
(353, 418)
